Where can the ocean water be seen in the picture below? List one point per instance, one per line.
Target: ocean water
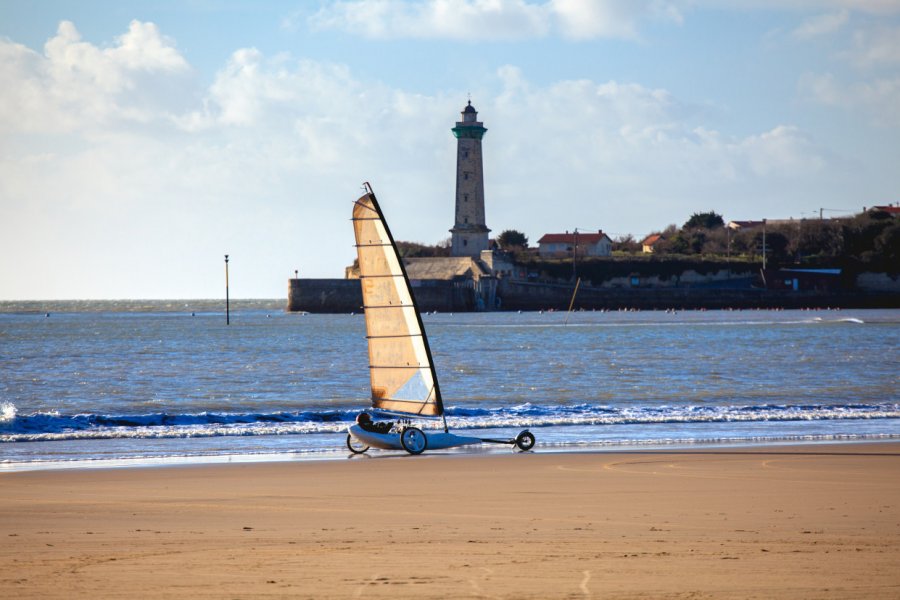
(138, 382)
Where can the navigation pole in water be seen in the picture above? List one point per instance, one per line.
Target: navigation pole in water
(227, 308)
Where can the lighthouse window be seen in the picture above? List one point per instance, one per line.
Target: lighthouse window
(465, 154)
(465, 242)
(466, 176)
(465, 197)
(466, 219)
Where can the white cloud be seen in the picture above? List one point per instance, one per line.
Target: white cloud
(586, 19)
(574, 19)
(76, 85)
(782, 151)
(823, 89)
(622, 157)
(491, 19)
(143, 47)
(259, 165)
(875, 47)
(878, 98)
(872, 49)
(876, 7)
(263, 165)
(821, 25)
(628, 128)
(450, 19)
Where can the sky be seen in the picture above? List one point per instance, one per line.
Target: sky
(140, 142)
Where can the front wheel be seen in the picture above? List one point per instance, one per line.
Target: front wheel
(355, 446)
(413, 440)
(525, 441)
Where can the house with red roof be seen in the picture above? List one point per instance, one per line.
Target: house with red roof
(559, 245)
(889, 209)
(650, 241)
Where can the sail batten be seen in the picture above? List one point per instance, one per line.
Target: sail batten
(389, 306)
(400, 364)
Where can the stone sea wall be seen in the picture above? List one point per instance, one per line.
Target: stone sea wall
(345, 296)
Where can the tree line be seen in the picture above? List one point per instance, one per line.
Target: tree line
(871, 238)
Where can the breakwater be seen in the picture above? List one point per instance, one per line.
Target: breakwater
(344, 296)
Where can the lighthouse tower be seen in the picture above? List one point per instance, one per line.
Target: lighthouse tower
(469, 233)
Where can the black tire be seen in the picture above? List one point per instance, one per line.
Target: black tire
(355, 446)
(413, 440)
(525, 441)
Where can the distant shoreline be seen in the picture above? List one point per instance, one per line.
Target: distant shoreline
(174, 305)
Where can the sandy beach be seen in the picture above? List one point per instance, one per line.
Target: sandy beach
(792, 522)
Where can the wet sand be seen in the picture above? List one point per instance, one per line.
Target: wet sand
(792, 522)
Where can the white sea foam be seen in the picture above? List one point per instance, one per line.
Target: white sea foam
(7, 412)
(43, 427)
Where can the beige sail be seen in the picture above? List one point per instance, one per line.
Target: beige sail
(400, 365)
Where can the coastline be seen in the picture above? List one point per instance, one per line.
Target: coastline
(792, 521)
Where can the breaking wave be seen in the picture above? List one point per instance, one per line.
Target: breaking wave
(44, 426)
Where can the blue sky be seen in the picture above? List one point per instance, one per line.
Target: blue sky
(140, 142)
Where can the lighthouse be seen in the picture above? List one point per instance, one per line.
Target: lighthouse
(469, 235)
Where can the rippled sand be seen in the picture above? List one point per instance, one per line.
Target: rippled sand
(793, 522)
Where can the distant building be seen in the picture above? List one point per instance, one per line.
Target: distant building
(789, 222)
(820, 280)
(440, 268)
(455, 268)
(501, 264)
(650, 241)
(890, 209)
(568, 244)
(741, 225)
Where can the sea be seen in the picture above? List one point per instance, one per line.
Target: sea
(137, 383)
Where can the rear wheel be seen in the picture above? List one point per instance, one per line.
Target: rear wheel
(355, 446)
(525, 441)
(413, 440)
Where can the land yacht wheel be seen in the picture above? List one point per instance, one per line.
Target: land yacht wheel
(413, 440)
(525, 441)
(355, 446)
